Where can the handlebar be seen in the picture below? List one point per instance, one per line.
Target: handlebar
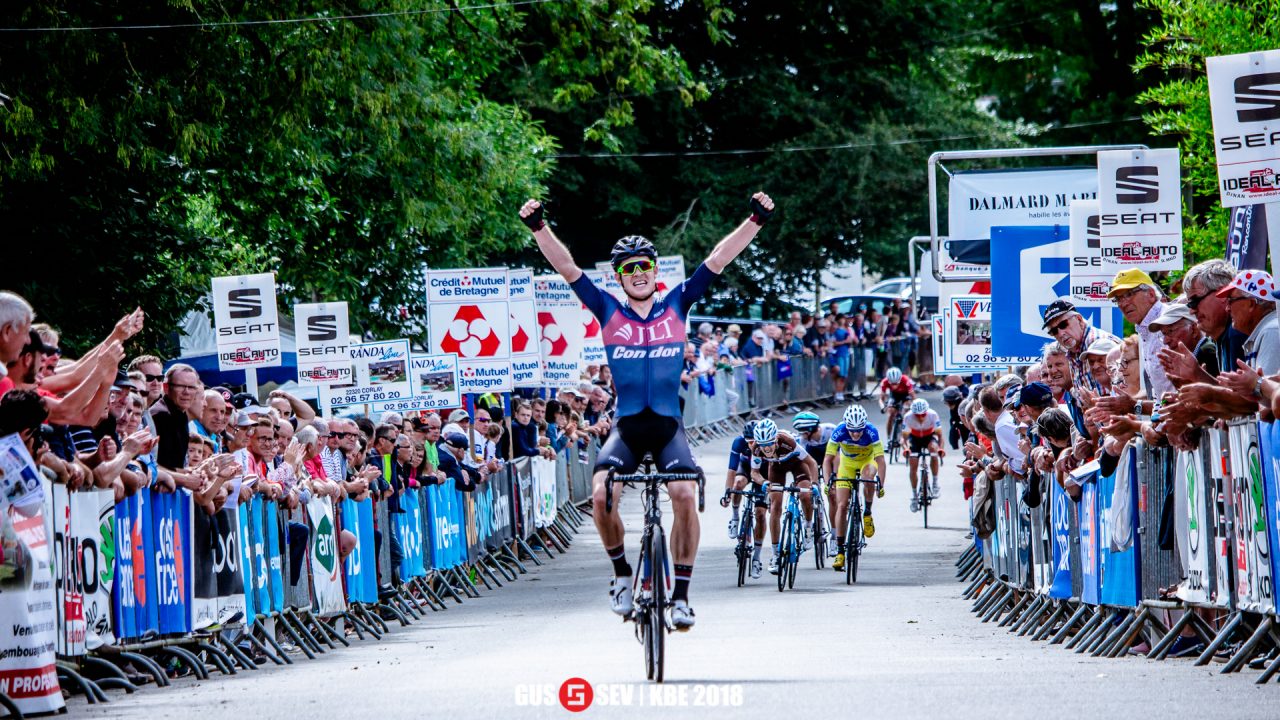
(655, 478)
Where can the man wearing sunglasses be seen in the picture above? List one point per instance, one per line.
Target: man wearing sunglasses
(1069, 328)
(644, 340)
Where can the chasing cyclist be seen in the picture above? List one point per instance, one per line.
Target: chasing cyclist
(644, 339)
(896, 390)
(856, 446)
(922, 430)
(737, 479)
(814, 434)
(774, 456)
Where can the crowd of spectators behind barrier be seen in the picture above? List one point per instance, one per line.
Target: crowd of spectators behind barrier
(1202, 352)
(106, 421)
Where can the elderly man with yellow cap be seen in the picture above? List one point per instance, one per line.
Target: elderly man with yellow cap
(1139, 299)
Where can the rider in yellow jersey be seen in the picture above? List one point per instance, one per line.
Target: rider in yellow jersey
(856, 446)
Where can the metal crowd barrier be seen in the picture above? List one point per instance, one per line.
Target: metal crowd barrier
(751, 390)
(155, 585)
(1171, 544)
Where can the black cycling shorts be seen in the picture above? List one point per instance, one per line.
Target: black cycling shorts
(646, 432)
(919, 443)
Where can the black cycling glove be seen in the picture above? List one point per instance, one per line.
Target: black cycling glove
(759, 215)
(534, 220)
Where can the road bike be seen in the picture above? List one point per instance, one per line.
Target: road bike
(652, 585)
(791, 546)
(853, 540)
(894, 447)
(923, 495)
(745, 548)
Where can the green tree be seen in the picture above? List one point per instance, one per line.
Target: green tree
(1189, 32)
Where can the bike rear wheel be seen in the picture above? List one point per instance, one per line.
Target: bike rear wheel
(657, 613)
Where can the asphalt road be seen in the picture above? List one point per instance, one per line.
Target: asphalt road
(899, 644)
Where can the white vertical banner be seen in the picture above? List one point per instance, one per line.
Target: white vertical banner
(28, 616)
(670, 272)
(560, 330)
(469, 316)
(1090, 283)
(1140, 209)
(526, 350)
(246, 321)
(1244, 97)
(381, 374)
(323, 332)
(608, 281)
(592, 336)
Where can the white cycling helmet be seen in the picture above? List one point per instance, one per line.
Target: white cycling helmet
(920, 406)
(766, 432)
(806, 421)
(855, 418)
(894, 376)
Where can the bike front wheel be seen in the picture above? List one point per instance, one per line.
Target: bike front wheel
(784, 553)
(657, 625)
(854, 539)
(819, 537)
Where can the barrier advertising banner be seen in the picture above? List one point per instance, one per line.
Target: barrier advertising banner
(28, 632)
(1269, 435)
(1220, 504)
(1190, 491)
(444, 507)
(1254, 587)
(408, 527)
(1117, 496)
(248, 563)
(362, 581)
(501, 530)
(246, 321)
(526, 348)
(1140, 209)
(381, 374)
(217, 573)
(1244, 96)
(1090, 283)
(560, 330)
(592, 337)
(135, 591)
(323, 333)
(1060, 534)
(469, 316)
(436, 377)
(1090, 531)
(170, 549)
(326, 583)
(1031, 268)
(544, 492)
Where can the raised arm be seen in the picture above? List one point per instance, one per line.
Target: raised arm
(735, 242)
(552, 249)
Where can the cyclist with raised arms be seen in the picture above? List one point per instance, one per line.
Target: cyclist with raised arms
(774, 456)
(855, 446)
(814, 434)
(739, 475)
(644, 340)
(896, 390)
(921, 430)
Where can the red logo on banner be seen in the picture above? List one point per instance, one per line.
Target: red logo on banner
(553, 342)
(576, 695)
(468, 372)
(519, 338)
(593, 327)
(470, 334)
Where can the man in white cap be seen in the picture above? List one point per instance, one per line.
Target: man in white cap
(1095, 357)
(1179, 326)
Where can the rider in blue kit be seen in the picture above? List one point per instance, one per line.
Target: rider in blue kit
(644, 340)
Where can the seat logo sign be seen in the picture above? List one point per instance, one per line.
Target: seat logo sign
(244, 303)
(1137, 185)
(1258, 97)
(322, 328)
(470, 334)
